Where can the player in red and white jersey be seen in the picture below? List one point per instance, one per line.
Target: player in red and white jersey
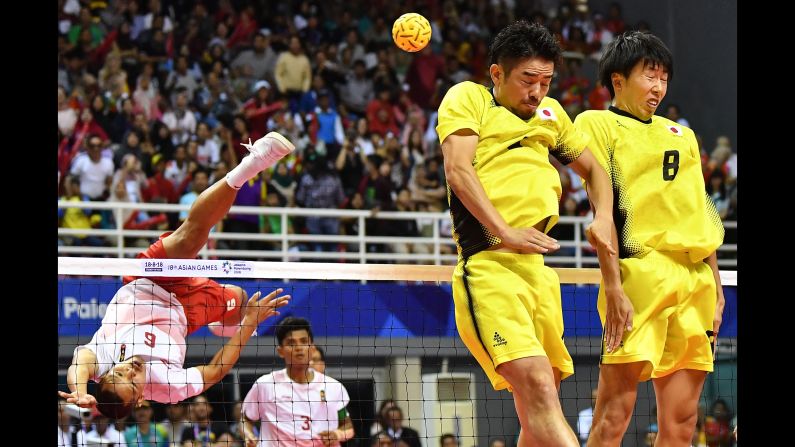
(139, 350)
(297, 406)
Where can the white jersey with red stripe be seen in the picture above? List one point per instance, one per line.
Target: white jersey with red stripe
(145, 320)
(293, 414)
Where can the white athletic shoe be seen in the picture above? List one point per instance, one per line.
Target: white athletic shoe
(270, 148)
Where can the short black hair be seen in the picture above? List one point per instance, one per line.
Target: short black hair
(523, 40)
(93, 135)
(291, 324)
(626, 50)
(446, 436)
(108, 401)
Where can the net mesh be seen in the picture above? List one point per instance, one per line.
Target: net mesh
(388, 332)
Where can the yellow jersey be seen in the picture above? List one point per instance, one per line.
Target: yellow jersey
(511, 161)
(660, 201)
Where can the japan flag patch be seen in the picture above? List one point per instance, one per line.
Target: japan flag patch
(676, 130)
(546, 114)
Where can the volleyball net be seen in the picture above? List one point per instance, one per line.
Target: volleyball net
(388, 333)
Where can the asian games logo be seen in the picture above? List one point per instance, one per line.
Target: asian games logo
(226, 267)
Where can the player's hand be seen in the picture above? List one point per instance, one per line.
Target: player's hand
(598, 234)
(528, 240)
(84, 400)
(718, 319)
(251, 440)
(328, 437)
(259, 309)
(618, 318)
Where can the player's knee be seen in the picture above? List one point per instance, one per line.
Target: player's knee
(678, 425)
(535, 382)
(614, 420)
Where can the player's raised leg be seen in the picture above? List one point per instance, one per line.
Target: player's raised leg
(213, 204)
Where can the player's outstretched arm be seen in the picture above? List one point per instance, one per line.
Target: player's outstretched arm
(600, 193)
(257, 310)
(84, 365)
(603, 237)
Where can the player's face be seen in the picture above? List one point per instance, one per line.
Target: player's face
(129, 378)
(295, 348)
(643, 91)
(522, 90)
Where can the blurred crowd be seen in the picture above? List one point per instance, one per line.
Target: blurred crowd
(155, 97)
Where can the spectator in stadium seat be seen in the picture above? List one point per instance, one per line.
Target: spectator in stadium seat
(258, 109)
(236, 426)
(252, 193)
(104, 433)
(423, 72)
(380, 114)
(139, 350)
(674, 114)
(69, 434)
(718, 425)
(144, 431)
(202, 430)
(320, 188)
(180, 120)
(397, 431)
(261, 58)
(94, 171)
(67, 115)
(318, 362)
(326, 125)
(293, 73)
(357, 91)
(175, 423)
(296, 404)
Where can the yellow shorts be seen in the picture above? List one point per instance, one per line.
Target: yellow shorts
(674, 305)
(507, 307)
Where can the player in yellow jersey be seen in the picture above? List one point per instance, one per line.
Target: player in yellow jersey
(668, 231)
(504, 195)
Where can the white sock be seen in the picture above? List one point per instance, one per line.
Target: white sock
(248, 168)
